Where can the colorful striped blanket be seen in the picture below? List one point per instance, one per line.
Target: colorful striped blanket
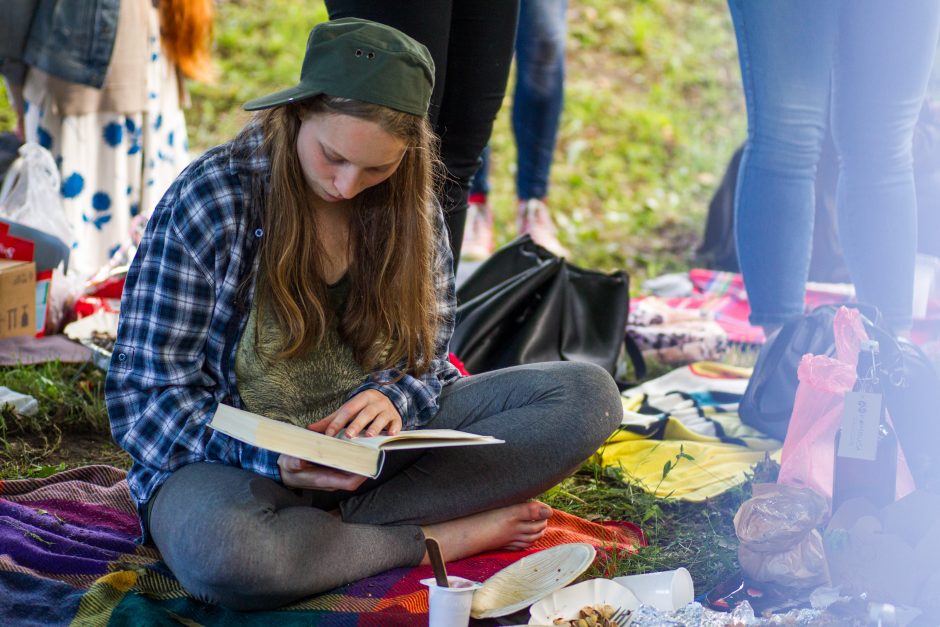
(67, 556)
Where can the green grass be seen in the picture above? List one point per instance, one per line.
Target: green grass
(697, 536)
(71, 398)
(653, 112)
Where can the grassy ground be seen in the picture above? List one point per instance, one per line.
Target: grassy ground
(653, 111)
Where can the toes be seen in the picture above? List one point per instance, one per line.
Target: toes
(535, 510)
(523, 541)
(533, 526)
(529, 538)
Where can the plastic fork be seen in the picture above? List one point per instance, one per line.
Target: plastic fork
(620, 617)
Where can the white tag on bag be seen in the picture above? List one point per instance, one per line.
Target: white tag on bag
(860, 421)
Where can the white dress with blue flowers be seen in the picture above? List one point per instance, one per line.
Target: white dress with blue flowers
(115, 167)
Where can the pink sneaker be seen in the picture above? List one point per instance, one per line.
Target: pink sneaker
(535, 219)
(478, 234)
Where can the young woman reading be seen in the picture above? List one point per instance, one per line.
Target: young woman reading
(302, 271)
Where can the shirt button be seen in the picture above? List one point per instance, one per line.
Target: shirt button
(122, 356)
(259, 232)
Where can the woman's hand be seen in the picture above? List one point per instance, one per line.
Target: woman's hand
(299, 473)
(369, 412)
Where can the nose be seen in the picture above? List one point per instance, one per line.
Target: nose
(348, 182)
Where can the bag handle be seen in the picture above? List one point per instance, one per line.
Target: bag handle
(633, 352)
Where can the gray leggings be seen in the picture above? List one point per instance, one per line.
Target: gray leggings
(241, 540)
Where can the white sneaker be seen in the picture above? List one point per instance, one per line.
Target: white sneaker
(478, 233)
(534, 218)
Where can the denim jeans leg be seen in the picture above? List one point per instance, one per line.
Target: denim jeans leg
(539, 93)
(480, 184)
(785, 51)
(883, 63)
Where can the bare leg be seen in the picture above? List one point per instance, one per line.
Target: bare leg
(515, 527)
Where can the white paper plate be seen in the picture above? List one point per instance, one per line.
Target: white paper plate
(524, 582)
(567, 602)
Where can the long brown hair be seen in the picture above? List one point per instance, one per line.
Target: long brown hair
(186, 36)
(391, 313)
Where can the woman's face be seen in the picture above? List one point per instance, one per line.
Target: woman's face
(341, 155)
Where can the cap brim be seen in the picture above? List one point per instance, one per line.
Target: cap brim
(291, 94)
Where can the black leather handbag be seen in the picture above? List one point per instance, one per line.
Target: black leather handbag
(525, 305)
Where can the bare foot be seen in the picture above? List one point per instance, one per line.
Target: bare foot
(514, 527)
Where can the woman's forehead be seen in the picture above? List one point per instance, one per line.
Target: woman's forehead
(356, 139)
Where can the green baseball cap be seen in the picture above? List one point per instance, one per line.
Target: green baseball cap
(361, 60)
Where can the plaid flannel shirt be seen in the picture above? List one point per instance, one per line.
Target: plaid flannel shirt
(185, 305)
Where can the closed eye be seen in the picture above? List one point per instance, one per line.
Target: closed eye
(332, 157)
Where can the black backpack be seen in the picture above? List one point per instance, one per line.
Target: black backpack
(912, 390)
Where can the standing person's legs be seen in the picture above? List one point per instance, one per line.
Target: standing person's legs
(479, 56)
(539, 93)
(471, 44)
(480, 183)
(536, 111)
(785, 49)
(885, 54)
(478, 241)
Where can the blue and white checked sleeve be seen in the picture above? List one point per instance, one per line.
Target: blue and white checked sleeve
(160, 396)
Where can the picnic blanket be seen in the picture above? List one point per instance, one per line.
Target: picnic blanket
(681, 436)
(68, 556)
(720, 296)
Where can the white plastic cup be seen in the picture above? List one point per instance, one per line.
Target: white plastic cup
(450, 607)
(667, 591)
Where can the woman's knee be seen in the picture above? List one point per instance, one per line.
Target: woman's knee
(244, 572)
(784, 141)
(592, 396)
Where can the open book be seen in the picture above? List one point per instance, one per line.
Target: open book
(361, 455)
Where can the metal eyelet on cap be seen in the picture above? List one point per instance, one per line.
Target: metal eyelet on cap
(358, 53)
(370, 56)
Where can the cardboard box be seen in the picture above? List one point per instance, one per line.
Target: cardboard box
(17, 298)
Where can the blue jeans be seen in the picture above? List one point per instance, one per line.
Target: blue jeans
(538, 98)
(862, 66)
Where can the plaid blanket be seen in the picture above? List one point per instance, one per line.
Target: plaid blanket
(67, 556)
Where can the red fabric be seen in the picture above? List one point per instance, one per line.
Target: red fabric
(112, 287)
(458, 364)
(407, 599)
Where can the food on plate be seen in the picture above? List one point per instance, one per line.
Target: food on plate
(592, 616)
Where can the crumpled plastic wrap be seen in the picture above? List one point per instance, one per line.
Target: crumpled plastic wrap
(696, 614)
(779, 542)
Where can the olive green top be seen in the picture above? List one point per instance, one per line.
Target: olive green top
(301, 390)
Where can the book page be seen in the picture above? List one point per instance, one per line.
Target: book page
(421, 438)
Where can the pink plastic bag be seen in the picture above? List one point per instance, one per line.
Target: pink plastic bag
(809, 449)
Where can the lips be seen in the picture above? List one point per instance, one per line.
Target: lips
(330, 197)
